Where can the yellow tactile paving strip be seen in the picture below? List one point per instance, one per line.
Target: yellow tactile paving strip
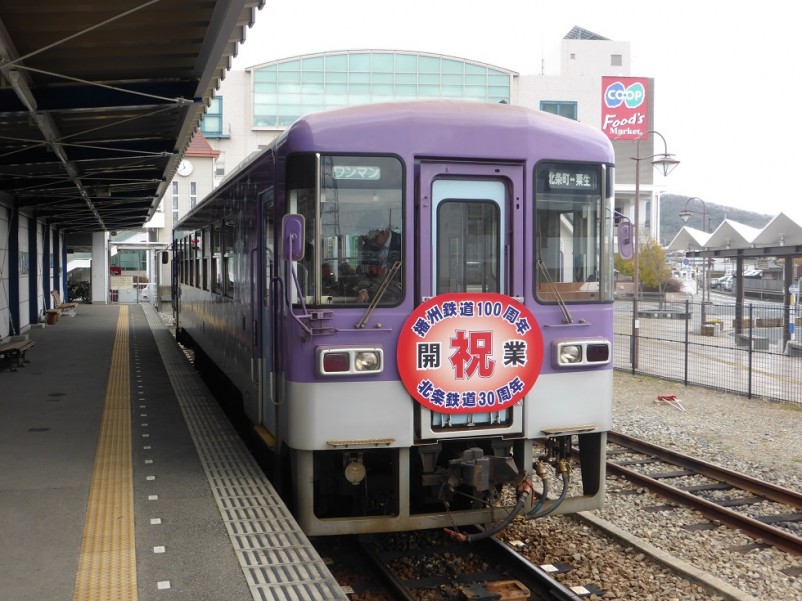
(107, 564)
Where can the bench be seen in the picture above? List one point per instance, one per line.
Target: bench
(758, 342)
(12, 353)
(68, 308)
(794, 348)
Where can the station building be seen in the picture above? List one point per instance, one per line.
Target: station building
(254, 105)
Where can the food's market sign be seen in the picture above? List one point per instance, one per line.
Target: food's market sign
(470, 353)
(624, 107)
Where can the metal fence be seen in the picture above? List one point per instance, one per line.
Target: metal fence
(702, 344)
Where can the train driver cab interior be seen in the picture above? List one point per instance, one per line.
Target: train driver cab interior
(352, 208)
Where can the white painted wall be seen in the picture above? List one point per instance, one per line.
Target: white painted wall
(100, 267)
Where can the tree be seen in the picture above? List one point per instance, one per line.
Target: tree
(654, 272)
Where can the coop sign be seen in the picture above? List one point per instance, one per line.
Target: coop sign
(625, 107)
(470, 353)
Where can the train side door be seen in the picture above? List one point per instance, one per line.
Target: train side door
(267, 301)
(470, 240)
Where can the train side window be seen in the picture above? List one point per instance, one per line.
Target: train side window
(197, 243)
(228, 257)
(188, 260)
(177, 260)
(205, 259)
(216, 260)
(188, 254)
(184, 255)
(192, 247)
(178, 266)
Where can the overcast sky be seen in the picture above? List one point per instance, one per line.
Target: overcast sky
(727, 74)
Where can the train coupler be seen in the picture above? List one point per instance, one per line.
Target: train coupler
(481, 472)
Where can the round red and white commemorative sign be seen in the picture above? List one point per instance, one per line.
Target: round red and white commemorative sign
(470, 353)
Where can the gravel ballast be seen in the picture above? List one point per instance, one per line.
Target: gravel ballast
(753, 436)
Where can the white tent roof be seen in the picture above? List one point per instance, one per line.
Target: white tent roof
(731, 235)
(689, 238)
(780, 231)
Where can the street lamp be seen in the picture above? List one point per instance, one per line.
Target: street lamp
(665, 163)
(685, 214)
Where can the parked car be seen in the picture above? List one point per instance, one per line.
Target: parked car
(717, 282)
(726, 283)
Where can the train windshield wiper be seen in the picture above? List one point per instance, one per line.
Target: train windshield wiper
(567, 318)
(385, 284)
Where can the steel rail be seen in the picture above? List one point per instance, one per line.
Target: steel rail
(775, 536)
(541, 584)
(722, 474)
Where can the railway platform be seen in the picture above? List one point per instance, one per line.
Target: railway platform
(120, 477)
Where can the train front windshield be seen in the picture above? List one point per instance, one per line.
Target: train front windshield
(354, 249)
(573, 258)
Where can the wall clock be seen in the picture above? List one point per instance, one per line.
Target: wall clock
(184, 168)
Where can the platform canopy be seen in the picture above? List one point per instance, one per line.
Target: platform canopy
(782, 236)
(99, 100)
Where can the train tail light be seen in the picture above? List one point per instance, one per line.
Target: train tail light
(350, 361)
(598, 353)
(580, 353)
(336, 362)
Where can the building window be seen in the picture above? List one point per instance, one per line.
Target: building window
(212, 124)
(559, 107)
(193, 194)
(220, 164)
(175, 202)
(131, 261)
(285, 90)
(616, 60)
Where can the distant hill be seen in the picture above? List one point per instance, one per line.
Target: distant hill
(671, 223)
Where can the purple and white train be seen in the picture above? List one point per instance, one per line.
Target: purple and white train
(414, 305)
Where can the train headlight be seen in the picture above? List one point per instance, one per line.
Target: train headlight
(349, 361)
(570, 353)
(355, 471)
(580, 353)
(367, 361)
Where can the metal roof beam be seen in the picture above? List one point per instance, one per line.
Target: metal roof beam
(86, 95)
(756, 252)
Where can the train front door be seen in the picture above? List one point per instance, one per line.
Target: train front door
(471, 229)
(470, 237)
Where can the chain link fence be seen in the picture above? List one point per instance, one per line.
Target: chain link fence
(749, 350)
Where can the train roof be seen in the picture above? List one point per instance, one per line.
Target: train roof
(433, 129)
(444, 128)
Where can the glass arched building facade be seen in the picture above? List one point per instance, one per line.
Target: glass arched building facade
(284, 90)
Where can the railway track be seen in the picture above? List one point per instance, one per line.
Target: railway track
(428, 566)
(717, 493)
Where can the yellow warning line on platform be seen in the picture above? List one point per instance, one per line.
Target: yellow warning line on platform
(107, 565)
